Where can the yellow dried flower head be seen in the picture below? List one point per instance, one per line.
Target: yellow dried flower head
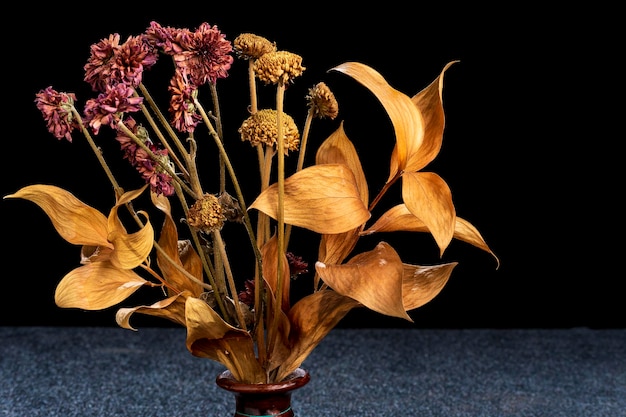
(206, 214)
(279, 66)
(261, 127)
(251, 46)
(322, 101)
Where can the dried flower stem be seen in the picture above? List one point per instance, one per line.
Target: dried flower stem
(303, 143)
(156, 159)
(280, 216)
(148, 97)
(219, 243)
(234, 180)
(118, 190)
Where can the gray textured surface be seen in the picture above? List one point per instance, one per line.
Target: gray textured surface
(78, 371)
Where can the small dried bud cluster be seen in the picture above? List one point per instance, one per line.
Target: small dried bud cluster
(261, 127)
(206, 214)
(322, 102)
(250, 46)
(279, 66)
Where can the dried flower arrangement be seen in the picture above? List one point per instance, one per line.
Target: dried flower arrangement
(249, 324)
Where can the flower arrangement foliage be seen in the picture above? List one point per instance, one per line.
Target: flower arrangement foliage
(249, 324)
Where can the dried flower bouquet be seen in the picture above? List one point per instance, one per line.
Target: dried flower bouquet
(247, 323)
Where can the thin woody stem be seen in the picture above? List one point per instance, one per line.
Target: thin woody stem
(168, 128)
(280, 216)
(154, 157)
(235, 182)
(96, 150)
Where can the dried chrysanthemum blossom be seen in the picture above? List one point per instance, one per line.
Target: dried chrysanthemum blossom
(206, 214)
(108, 108)
(322, 101)
(182, 108)
(151, 171)
(204, 53)
(261, 127)
(56, 109)
(251, 46)
(279, 66)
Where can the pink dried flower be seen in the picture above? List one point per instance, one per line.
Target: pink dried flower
(132, 58)
(160, 181)
(107, 108)
(99, 66)
(168, 39)
(182, 109)
(111, 63)
(204, 54)
(57, 112)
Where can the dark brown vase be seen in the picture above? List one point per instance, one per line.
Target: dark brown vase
(254, 400)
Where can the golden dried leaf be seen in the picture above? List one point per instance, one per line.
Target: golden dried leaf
(269, 254)
(429, 198)
(430, 103)
(321, 198)
(333, 249)
(405, 116)
(312, 318)
(181, 252)
(420, 284)
(74, 221)
(372, 278)
(130, 249)
(338, 149)
(399, 218)
(172, 309)
(208, 336)
(466, 232)
(96, 286)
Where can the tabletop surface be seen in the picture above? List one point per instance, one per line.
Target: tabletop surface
(109, 371)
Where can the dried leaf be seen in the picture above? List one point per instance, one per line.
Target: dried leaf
(429, 198)
(333, 249)
(372, 278)
(181, 252)
(312, 318)
(405, 116)
(338, 149)
(96, 286)
(420, 284)
(208, 336)
(430, 103)
(171, 308)
(74, 221)
(269, 254)
(130, 249)
(321, 198)
(466, 232)
(399, 218)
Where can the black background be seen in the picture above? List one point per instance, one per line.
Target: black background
(529, 149)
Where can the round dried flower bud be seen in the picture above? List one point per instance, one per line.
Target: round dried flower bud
(261, 127)
(251, 46)
(322, 101)
(206, 214)
(279, 66)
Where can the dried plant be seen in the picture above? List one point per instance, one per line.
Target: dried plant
(249, 323)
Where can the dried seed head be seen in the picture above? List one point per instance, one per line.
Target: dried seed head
(250, 46)
(322, 102)
(206, 214)
(279, 66)
(261, 127)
